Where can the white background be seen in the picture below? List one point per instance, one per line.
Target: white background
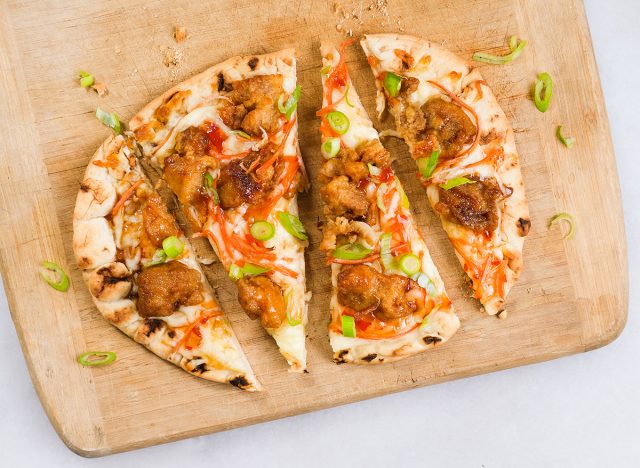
(578, 411)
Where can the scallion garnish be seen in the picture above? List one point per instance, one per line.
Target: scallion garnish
(338, 122)
(542, 91)
(235, 272)
(86, 79)
(569, 219)
(111, 120)
(54, 276)
(404, 200)
(392, 83)
(566, 141)
(172, 246)
(374, 170)
(160, 256)
(355, 251)
(242, 134)
(96, 358)
(293, 319)
(346, 96)
(330, 147)
(515, 46)
(385, 251)
(426, 166)
(325, 70)
(409, 264)
(262, 230)
(455, 182)
(293, 225)
(290, 106)
(249, 269)
(348, 326)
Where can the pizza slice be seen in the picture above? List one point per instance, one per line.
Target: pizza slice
(388, 300)
(467, 160)
(142, 273)
(226, 143)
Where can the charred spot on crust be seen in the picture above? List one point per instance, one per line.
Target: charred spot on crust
(171, 334)
(370, 357)
(339, 359)
(152, 325)
(220, 82)
(523, 226)
(253, 63)
(200, 368)
(431, 340)
(240, 382)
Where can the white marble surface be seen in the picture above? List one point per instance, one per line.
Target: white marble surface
(579, 411)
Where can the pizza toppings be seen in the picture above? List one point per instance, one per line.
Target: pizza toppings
(338, 122)
(345, 198)
(473, 205)
(157, 223)
(387, 296)
(163, 289)
(446, 128)
(54, 276)
(290, 106)
(262, 230)
(237, 186)
(293, 225)
(260, 297)
(392, 84)
(348, 326)
(330, 147)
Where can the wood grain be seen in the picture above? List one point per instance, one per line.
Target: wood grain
(572, 296)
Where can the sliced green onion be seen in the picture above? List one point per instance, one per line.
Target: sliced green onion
(290, 106)
(249, 269)
(392, 83)
(331, 147)
(86, 79)
(242, 134)
(172, 246)
(235, 272)
(54, 276)
(111, 120)
(515, 46)
(346, 96)
(425, 282)
(569, 219)
(566, 141)
(425, 322)
(410, 264)
(382, 189)
(262, 230)
(293, 225)
(456, 181)
(348, 326)
(355, 251)
(159, 257)
(325, 70)
(385, 251)
(542, 91)
(292, 320)
(374, 170)
(96, 358)
(208, 183)
(426, 166)
(404, 200)
(338, 122)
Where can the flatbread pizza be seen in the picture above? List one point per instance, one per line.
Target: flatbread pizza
(388, 300)
(142, 272)
(467, 160)
(226, 143)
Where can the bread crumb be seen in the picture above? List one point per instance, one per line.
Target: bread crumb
(171, 57)
(180, 33)
(100, 88)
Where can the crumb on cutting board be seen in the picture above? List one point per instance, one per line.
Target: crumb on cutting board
(376, 11)
(100, 88)
(179, 33)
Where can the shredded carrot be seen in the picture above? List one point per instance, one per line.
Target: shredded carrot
(193, 327)
(269, 162)
(125, 196)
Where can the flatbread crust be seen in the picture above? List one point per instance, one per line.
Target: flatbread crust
(429, 61)
(193, 102)
(218, 357)
(442, 322)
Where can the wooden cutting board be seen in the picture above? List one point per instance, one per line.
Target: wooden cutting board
(572, 296)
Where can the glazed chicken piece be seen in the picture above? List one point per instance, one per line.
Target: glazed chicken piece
(261, 297)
